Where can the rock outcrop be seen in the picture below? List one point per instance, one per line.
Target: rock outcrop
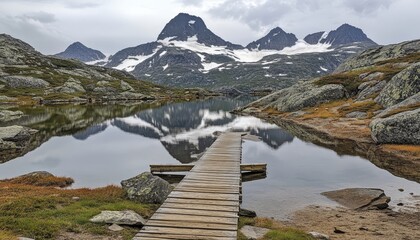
(7, 116)
(401, 128)
(253, 233)
(359, 198)
(128, 217)
(24, 82)
(301, 96)
(402, 86)
(146, 188)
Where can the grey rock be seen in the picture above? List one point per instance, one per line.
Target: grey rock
(301, 96)
(356, 115)
(253, 233)
(359, 198)
(102, 83)
(126, 86)
(413, 101)
(402, 86)
(401, 128)
(146, 188)
(25, 238)
(368, 91)
(105, 90)
(24, 82)
(115, 228)
(367, 84)
(14, 136)
(71, 86)
(6, 115)
(36, 174)
(128, 217)
(318, 235)
(373, 76)
(7, 99)
(379, 54)
(247, 213)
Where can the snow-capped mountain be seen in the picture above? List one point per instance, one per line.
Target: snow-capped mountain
(82, 53)
(345, 34)
(188, 54)
(276, 39)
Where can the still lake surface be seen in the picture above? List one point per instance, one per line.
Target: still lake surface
(102, 145)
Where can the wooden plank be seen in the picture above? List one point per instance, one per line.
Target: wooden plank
(163, 236)
(195, 225)
(201, 207)
(202, 201)
(198, 212)
(190, 231)
(192, 218)
(212, 196)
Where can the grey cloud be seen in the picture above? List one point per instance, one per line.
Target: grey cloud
(191, 2)
(367, 6)
(255, 15)
(42, 17)
(83, 4)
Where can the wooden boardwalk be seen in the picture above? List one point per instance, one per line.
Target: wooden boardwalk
(205, 204)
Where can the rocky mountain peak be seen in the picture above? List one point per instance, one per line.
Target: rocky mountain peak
(185, 26)
(345, 34)
(276, 39)
(79, 51)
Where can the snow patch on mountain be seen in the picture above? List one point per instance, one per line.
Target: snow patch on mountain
(132, 61)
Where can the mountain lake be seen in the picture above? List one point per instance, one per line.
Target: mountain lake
(99, 145)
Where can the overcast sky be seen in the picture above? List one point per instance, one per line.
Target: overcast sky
(111, 25)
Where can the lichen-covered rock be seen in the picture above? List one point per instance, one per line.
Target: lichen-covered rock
(402, 86)
(375, 55)
(12, 137)
(253, 233)
(24, 82)
(368, 91)
(300, 96)
(128, 217)
(146, 188)
(356, 114)
(126, 86)
(6, 115)
(406, 105)
(401, 128)
(71, 86)
(359, 198)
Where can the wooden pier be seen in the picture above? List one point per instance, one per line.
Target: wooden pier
(205, 204)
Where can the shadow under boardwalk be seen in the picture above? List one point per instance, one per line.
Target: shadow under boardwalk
(205, 204)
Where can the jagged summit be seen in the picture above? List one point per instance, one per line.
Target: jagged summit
(276, 39)
(345, 34)
(80, 52)
(185, 26)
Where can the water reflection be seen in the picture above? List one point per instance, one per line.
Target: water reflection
(104, 144)
(187, 129)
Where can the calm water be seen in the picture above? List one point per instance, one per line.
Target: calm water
(102, 145)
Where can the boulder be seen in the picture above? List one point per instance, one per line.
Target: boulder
(71, 86)
(411, 102)
(318, 235)
(401, 128)
(359, 198)
(371, 76)
(146, 188)
(300, 96)
(253, 233)
(14, 136)
(128, 217)
(356, 115)
(402, 86)
(367, 84)
(126, 87)
(247, 213)
(24, 82)
(115, 228)
(6, 115)
(368, 91)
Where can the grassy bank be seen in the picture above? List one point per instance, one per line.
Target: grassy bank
(46, 212)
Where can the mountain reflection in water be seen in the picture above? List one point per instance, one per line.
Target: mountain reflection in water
(187, 129)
